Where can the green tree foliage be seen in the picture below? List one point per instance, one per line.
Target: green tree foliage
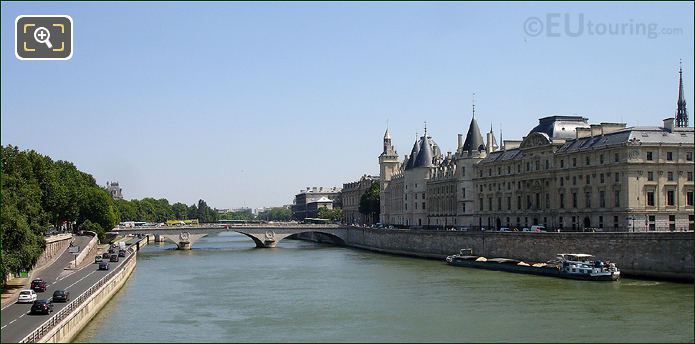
(205, 214)
(370, 202)
(88, 225)
(192, 212)
(180, 211)
(276, 214)
(245, 214)
(330, 214)
(39, 193)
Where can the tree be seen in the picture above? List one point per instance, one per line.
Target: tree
(98, 208)
(192, 212)
(370, 202)
(180, 211)
(276, 214)
(330, 214)
(93, 227)
(127, 210)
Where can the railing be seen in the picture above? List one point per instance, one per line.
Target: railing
(76, 303)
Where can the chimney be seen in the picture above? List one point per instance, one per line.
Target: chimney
(596, 130)
(608, 128)
(460, 141)
(668, 124)
(488, 145)
(511, 144)
(583, 132)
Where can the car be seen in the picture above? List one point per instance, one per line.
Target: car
(537, 228)
(98, 259)
(525, 230)
(42, 307)
(121, 253)
(111, 250)
(114, 258)
(104, 265)
(504, 229)
(61, 295)
(26, 296)
(105, 255)
(38, 285)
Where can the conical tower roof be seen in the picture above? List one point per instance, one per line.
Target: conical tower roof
(474, 140)
(413, 155)
(424, 157)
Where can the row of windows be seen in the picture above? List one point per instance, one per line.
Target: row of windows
(669, 156)
(669, 176)
(670, 198)
(534, 201)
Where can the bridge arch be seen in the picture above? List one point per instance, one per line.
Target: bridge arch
(264, 238)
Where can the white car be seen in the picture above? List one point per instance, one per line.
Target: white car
(26, 296)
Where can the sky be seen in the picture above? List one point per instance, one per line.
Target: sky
(245, 104)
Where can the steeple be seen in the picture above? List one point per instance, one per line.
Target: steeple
(501, 140)
(681, 112)
(474, 140)
(413, 153)
(424, 156)
(473, 105)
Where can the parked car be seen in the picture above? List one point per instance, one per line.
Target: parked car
(61, 296)
(26, 296)
(114, 258)
(104, 265)
(537, 228)
(98, 259)
(111, 250)
(525, 230)
(42, 307)
(105, 255)
(504, 229)
(121, 253)
(38, 285)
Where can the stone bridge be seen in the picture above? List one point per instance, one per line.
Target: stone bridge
(264, 235)
(184, 240)
(269, 237)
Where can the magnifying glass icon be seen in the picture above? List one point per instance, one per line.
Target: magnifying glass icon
(42, 35)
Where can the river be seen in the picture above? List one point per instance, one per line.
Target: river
(225, 290)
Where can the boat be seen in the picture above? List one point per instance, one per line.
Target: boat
(578, 266)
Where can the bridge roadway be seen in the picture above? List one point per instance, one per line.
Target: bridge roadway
(17, 323)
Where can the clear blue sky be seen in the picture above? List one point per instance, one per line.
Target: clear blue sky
(244, 104)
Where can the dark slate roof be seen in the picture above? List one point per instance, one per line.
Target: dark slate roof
(560, 127)
(474, 141)
(503, 155)
(425, 155)
(413, 154)
(645, 135)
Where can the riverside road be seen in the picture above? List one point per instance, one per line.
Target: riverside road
(17, 323)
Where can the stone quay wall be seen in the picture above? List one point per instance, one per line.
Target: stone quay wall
(55, 245)
(667, 255)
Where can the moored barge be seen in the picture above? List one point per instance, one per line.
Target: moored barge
(566, 265)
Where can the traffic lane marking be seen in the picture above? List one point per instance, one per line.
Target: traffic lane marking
(85, 288)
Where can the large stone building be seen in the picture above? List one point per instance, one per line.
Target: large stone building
(307, 202)
(114, 190)
(351, 195)
(566, 173)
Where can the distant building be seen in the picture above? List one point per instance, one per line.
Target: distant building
(114, 190)
(350, 197)
(565, 174)
(307, 202)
